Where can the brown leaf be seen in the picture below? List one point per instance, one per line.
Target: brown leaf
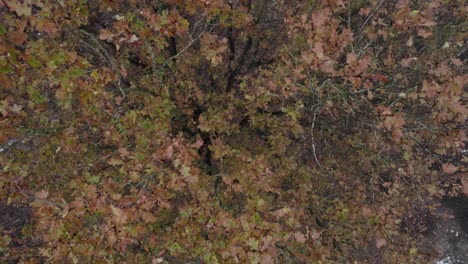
(169, 152)
(366, 211)
(267, 259)
(320, 18)
(449, 168)
(380, 78)
(351, 58)
(148, 217)
(299, 237)
(47, 27)
(123, 153)
(319, 52)
(119, 215)
(410, 41)
(16, 108)
(105, 34)
(3, 138)
(21, 9)
(42, 194)
(281, 212)
(18, 37)
(456, 62)
(424, 33)
(315, 234)
(465, 186)
(380, 242)
(406, 62)
(198, 143)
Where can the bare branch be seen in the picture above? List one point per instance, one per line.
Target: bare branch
(368, 18)
(192, 41)
(313, 140)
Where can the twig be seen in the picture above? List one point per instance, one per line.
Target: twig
(368, 18)
(102, 52)
(192, 41)
(313, 140)
(30, 196)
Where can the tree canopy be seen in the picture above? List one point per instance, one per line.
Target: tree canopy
(241, 131)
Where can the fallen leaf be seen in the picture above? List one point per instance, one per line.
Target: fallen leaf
(105, 34)
(3, 138)
(456, 62)
(198, 143)
(148, 217)
(21, 9)
(119, 215)
(380, 78)
(319, 52)
(406, 62)
(299, 237)
(315, 234)
(16, 108)
(449, 168)
(42, 194)
(410, 41)
(18, 37)
(424, 33)
(380, 242)
(465, 186)
(267, 259)
(281, 212)
(47, 27)
(366, 211)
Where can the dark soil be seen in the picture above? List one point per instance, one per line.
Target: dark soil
(13, 218)
(450, 235)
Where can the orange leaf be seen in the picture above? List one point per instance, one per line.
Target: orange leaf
(380, 78)
(3, 138)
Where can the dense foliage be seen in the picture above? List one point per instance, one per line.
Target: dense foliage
(242, 131)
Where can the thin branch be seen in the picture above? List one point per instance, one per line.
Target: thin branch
(46, 201)
(186, 47)
(368, 18)
(313, 140)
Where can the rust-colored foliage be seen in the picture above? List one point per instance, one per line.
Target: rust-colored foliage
(228, 131)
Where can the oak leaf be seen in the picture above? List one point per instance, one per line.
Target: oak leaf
(21, 9)
(299, 237)
(380, 242)
(449, 168)
(119, 215)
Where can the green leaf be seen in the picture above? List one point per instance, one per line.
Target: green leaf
(60, 58)
(253, 243)
(3, 29)
(33, 62)
(185, 171)
(95, 74)
(414, 12)
(406, 155)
